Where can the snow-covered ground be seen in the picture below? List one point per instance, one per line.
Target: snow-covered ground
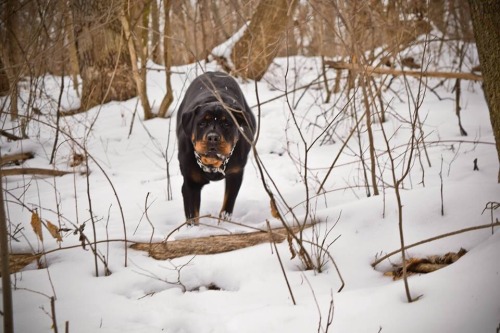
(147, 295)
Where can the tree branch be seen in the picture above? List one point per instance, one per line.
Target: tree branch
(428, 240)
(34, 171)
(370, 70)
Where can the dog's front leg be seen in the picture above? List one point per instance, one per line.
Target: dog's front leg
(233, 184)
(191, 193)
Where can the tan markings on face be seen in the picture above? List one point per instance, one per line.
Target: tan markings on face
(211, 161)
(225, 147)
(200, 147)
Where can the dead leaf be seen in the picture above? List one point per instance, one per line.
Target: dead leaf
(76, 160)
(36, 224)
(54, 231)
(274, 209)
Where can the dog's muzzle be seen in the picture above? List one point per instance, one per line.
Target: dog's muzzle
(211, 169)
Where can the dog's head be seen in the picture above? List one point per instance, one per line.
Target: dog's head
(214, 131)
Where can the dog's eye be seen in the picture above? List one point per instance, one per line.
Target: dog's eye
(202, 124)
(226, 124)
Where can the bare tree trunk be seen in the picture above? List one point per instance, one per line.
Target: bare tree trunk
(73, 54)
(217, 21)
(202, 8)
(9, 52)
(486, 21)
(104, 60)
(155, 33)
(254, 52)
(364, 80)
(167, 58)
(4, 80)
(139, 74)
(8, 315)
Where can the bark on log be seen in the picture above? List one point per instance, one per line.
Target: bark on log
(210, 244)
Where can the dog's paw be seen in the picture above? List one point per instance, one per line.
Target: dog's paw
(224, 216)
(193, 222)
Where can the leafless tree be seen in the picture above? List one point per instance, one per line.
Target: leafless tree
(486, 20)
(104, 58)
(255, 51)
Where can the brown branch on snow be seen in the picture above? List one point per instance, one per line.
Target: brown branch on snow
(10, 136)
(370, 70)
(428, 240)
(34, 171)
(15, 158)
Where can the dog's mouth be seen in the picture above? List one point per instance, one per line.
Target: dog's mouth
(212, 159)
(213, 162)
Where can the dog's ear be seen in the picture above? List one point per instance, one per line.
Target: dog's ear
(242, 118)
(187, 121)
(235, 109)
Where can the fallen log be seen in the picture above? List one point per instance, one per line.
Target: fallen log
(210, 244)
(370, 70)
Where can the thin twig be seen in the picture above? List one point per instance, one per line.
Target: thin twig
(342, 283)
(91, 212)
(58, 117)
(281, 265)
(353, 130)
(53, 313)
(428, 240)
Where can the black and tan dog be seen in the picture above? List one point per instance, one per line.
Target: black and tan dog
(214, 129)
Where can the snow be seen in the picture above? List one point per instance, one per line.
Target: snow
(224, 50)
(151, 295)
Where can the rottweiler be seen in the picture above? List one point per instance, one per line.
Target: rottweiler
(215, 128)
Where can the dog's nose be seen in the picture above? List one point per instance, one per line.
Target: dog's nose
(213, 138)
